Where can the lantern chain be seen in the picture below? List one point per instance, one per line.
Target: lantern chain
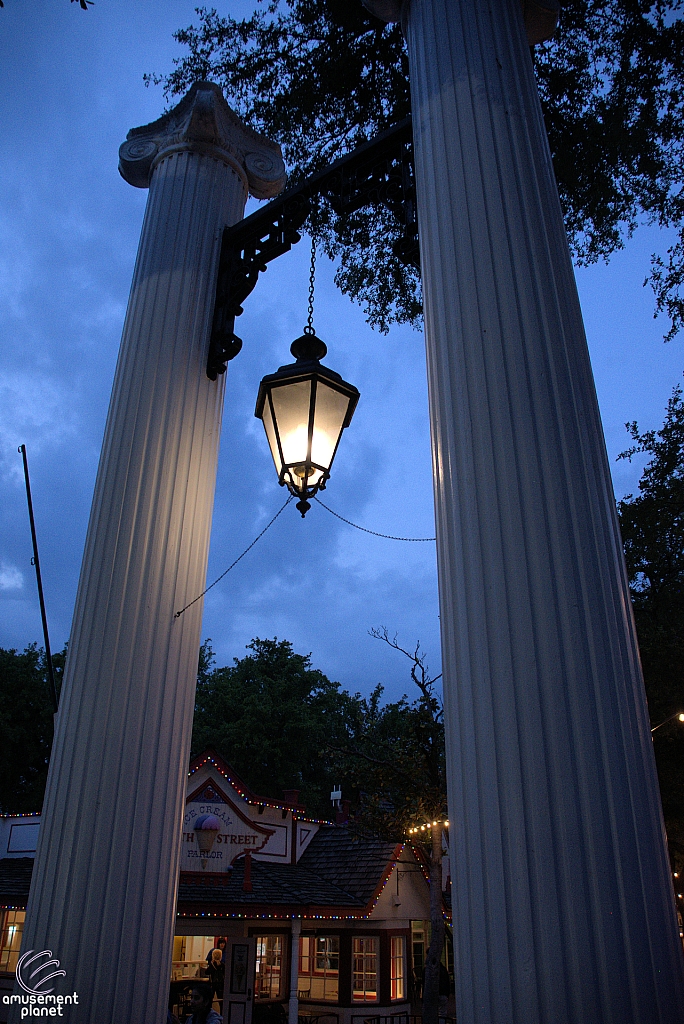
(309, 329)
(387, 536)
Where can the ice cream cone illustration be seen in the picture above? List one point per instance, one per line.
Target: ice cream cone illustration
(207, 827)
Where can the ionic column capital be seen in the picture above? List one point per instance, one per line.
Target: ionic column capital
(541, 16)
(203, 122)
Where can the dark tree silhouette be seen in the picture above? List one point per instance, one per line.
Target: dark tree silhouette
(322, 76)
(652, 524)
(271, 716)
(26, 726)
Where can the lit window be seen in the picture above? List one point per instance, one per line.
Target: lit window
(319, 968)
(397, 971)
(269, 959)
(10, 940)
(419, 941)
(365, 971)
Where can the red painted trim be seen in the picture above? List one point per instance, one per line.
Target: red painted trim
(385, 875)
(211, 755)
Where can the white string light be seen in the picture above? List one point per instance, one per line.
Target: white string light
(427, 826)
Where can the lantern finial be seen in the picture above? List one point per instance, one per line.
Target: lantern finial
(308, 348)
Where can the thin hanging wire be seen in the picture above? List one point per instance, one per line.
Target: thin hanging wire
(387, 536)
(232, 566)
(309, 329)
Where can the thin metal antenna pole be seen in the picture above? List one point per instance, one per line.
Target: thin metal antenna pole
(36, 563)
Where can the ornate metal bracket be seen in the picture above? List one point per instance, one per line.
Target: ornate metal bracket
(378, 172)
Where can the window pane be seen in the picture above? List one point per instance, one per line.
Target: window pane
(270, 434)
(319, 964)
(331, 409)
(364, 968)
(269, 955)
(291, 406)
(304, 955)
(397, 967)
(10, 940)
(419, 942)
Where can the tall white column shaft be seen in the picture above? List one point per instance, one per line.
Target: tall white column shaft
(563, 901)
(105, 876)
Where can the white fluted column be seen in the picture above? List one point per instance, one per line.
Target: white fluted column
(562, 895)
(104, 884)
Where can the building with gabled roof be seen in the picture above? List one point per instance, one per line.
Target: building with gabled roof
(316, 919)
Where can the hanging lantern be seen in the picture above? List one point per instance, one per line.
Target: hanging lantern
(304, 408)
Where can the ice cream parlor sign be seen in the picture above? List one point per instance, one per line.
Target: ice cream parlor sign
(216, 832)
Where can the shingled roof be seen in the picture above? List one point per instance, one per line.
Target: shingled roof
(15, 881)
(278, 885)
(355, 865)
(336, 871)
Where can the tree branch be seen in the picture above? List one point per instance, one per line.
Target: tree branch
(419, 672)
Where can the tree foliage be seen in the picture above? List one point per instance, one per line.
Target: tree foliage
(26, 726)
(284, 725)
(652, 523)
(284, 73)
(271, 716)
(322, 76)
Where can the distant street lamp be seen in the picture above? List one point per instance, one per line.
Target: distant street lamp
(678, 714)
(304, 408)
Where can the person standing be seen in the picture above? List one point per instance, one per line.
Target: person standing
(217, 974)
(221, 946)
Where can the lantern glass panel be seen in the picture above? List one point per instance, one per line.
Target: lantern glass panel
(267, 420)
(331, 410)
(291, 404)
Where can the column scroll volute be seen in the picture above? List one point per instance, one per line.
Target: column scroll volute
(203, 122)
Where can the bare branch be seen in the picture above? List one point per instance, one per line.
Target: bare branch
(419, 671)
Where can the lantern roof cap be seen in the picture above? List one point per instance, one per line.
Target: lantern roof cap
(308, 347)
(308, 350)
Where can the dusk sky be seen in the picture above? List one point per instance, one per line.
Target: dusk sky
(71, 88)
